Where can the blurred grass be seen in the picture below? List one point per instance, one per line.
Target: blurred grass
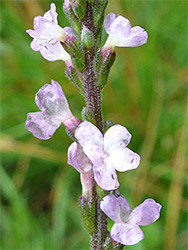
(146, 92)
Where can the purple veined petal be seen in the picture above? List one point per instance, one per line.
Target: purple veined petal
(54, 51)
(137, 37)
(51, 99)
(123, 160)
(91, 140)
(110, 206)
(41, 125)
(120, 27)
(51, 15)
(78, 159)
(116, 137)
(126, 234)
(108, 21)
(106, 178)
(146, 213)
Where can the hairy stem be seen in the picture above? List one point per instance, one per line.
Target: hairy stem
(93, 103)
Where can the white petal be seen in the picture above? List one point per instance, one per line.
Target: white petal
(51, 99)
(78, 159)
(110, 206)
(54, 51)
(108, 21)
(123, 160)
(120, 27)
(106, 178)
(146, 213)
(91, 140)
(137, 37)
(116, 137)
(41, 125)
(126, 234)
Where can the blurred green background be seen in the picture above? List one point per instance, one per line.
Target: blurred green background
(146, 92)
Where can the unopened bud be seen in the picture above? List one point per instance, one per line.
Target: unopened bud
(79, 8)
(87, 37)
(87, 114)
(74, 22)
(75, 78)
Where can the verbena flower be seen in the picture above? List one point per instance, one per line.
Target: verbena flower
(83, 165)
(108, 153)
(121, 34)
(126, 229)
(54, 110)
(47, 35)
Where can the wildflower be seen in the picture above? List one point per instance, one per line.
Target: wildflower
(121, 34)
(108, 153)
(83, 165)
(126, 229)
(47, 35)
(54, 110)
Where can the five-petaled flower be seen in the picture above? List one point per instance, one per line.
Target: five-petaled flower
(126, 229)
(54, 110)
(121, 34)
(47, 35)
(107, 153)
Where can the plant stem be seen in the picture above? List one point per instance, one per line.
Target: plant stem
(93, 103)
(92, 91)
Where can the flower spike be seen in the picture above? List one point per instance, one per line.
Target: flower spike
(121, 34)
(126, 228)
(54, 110)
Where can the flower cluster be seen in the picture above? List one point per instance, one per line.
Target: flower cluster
(94, 154)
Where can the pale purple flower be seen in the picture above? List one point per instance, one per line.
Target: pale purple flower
(121, 34)
(126, 229)
(47, 35)
(54, 110)
(107, 153)
(83, 165)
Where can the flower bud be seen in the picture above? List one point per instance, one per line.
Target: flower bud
(79, 8)
(75, 78)
(87, 37)
(73, 46)
(87, 114)
(102, 63)
(74, 22)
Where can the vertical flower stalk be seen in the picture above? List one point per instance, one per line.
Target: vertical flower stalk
(99, 150)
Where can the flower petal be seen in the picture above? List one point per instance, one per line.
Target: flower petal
(51, 99)
(108, 21)
(91, 140)
(115, 138)
(146, 213)
(51, 15)
(126, 234)
(120, 27)
(123, 160)
(137, 37)
(41, 125)
(116, 207)
(110, 206)
(106, 178)
(78, 159)
(54, 51)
